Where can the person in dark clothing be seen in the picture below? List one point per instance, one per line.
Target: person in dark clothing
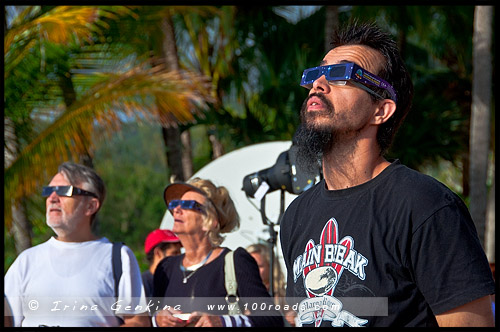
(192, 285)
(159, 244)
(375, 243)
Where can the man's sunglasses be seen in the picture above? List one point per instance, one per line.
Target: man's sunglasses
(67, 191)
(186, 205)
(339, 74)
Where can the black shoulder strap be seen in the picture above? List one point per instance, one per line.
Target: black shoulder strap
(117, 264)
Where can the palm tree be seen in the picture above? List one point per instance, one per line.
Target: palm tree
(267, 97)
(130, 91)
(208, 38)
(19, 41)
(161, 34)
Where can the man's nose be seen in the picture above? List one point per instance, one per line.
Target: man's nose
(53, 197)
(320, 85)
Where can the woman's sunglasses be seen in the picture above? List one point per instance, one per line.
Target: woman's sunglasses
(186, 205)
(341, 73)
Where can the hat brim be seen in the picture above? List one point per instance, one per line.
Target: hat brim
(176, 190)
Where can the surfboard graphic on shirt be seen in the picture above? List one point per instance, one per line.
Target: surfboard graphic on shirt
(321, 267)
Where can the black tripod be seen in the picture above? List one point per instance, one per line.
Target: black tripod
(273, 235)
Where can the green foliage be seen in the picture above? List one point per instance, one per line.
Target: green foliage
(436, 128)
(202, 153)
(9, 254)
(133, 167)
(262, 98)
(437, 49)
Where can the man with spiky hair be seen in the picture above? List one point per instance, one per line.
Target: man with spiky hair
(375, 243)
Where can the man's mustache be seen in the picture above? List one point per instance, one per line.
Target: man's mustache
(324, 100)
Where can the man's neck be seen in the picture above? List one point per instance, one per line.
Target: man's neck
(152, 267)
(346, 169)
(81, 236)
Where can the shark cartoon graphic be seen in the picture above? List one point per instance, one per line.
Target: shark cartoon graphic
(321, 273)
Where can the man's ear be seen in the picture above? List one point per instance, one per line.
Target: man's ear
(384, 111)
(93, 206)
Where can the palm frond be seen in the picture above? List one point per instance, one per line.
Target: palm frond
(61, 25)
(212, 43)
(141, 93)
(58, 26)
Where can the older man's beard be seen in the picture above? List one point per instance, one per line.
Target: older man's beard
(312, 140)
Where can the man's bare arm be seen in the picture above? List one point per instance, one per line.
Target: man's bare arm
(476, 313)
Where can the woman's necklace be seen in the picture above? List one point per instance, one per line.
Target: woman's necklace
(183, 269)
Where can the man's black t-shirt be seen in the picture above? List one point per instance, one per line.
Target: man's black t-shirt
(394, 251)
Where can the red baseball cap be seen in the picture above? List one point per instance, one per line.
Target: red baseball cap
(157, 236)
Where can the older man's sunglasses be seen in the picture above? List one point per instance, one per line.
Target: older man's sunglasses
(340, 73)
(186, 205)
(66, 191)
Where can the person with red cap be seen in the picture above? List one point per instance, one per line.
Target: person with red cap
(159, 244)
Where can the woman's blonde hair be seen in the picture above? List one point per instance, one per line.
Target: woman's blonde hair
(220, 207)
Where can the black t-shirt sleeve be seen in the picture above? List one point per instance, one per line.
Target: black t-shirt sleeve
(449, 263)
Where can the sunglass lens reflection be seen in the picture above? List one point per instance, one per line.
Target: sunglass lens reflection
(336, 71)
(312, 75)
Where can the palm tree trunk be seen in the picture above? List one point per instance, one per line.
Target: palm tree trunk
(69, 96)
(20, 229)
(187, 163)
(172, 139)
(331, 24)
(480, 118)
(179, 160)
(169, 47)
(217, 148)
